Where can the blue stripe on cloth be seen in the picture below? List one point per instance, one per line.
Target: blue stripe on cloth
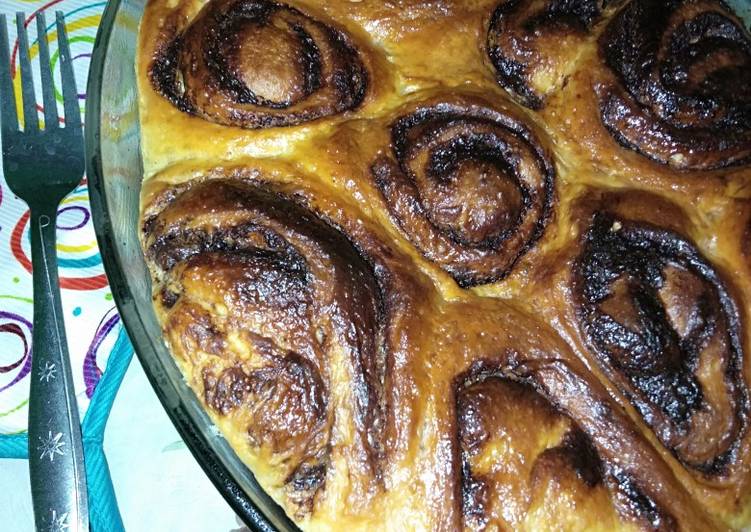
(14, 446)
(104, 515)
(87, 262)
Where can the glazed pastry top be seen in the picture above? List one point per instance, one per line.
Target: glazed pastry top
(449, 264)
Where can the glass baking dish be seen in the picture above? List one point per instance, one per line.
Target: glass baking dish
(114, 173)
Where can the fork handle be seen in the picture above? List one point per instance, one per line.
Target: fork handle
(56, 463)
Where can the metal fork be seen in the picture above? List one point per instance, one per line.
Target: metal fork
(41, 167)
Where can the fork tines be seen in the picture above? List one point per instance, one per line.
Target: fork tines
(8, 118)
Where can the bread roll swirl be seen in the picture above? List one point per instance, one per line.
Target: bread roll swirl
(471, 187)
(259, 64)
(665, 328)
(683, 73)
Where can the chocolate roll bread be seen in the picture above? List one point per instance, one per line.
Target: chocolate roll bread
(460, 265)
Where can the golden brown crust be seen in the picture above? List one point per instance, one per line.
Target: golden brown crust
(439, 309)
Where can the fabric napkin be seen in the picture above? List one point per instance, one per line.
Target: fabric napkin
(99, 348)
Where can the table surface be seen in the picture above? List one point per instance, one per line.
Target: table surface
(159, 484)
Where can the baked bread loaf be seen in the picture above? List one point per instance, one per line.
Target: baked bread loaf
(445, 265)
